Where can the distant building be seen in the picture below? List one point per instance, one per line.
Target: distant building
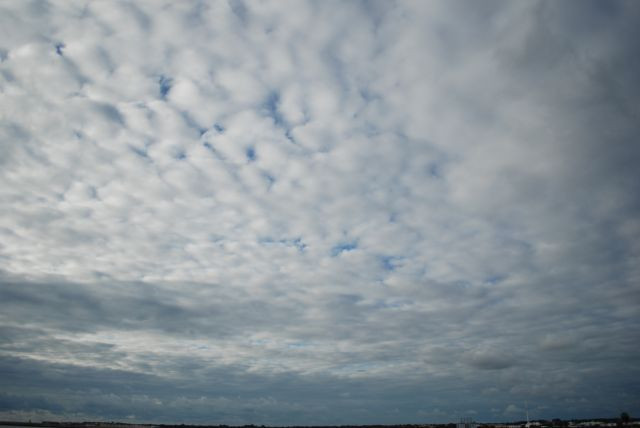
(467, 423)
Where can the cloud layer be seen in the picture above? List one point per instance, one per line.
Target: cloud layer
(319, 212)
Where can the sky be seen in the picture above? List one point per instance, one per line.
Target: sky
(319, 212)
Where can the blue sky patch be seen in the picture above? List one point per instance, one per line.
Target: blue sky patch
(270, 179)
(343, 247)
(251, 154)
(271, 108)
(140, 152)
(165, 85)
(296, 242)
(435, 170)
(389, 263)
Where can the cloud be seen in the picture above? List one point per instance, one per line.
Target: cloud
(327, 213)
(487, 361)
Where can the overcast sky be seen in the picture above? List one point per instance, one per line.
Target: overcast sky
(319, 212)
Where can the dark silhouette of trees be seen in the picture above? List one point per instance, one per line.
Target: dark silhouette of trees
(624, 418)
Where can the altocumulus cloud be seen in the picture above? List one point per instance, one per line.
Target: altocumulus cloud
(319, 212)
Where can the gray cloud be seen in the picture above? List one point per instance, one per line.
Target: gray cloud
(488, 361)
